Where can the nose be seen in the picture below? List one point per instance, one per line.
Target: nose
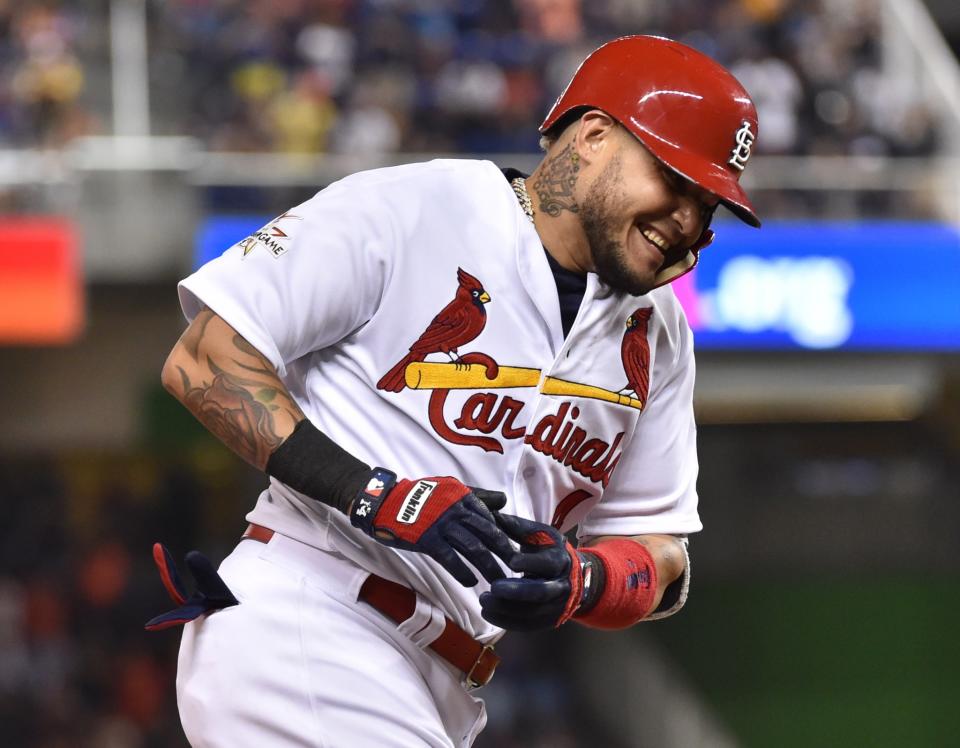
(689, 217)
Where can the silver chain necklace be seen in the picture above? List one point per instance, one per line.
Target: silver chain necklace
(520, 189)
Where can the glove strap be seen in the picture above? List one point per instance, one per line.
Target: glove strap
(594, 581)
(371, 497)
(576, 586)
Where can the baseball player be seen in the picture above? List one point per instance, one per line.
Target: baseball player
(444, 367)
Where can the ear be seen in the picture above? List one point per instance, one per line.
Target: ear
(594, 135)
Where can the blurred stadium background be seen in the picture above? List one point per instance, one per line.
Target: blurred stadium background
(138, 137)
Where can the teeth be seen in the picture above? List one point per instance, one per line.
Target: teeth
(657, 239)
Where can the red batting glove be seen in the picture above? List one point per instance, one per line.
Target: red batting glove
(438, 516)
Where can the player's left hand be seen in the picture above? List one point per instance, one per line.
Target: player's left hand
(438, 516)
(551, 588)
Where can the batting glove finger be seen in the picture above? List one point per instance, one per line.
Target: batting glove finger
(517, 616)
(490, 535)
(444, 555)
(551, 567)
(494, 501)
(528, 532)
(546, 563)
(544, 551)
(532, 604)
(527, 590)
(463, 541)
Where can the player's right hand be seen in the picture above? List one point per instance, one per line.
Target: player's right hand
(438, 516)
(552, 586)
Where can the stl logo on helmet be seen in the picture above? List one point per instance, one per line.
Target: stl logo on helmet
(741, 151)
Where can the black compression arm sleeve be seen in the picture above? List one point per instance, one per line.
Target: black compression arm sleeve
(310, 462)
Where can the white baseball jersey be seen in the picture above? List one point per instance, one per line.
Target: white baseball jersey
(593, 429)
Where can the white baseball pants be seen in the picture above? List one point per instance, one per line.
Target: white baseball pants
(301, 663)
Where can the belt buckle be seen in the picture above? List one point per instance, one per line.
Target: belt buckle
(471, 683)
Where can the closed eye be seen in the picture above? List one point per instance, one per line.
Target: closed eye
(682, 186)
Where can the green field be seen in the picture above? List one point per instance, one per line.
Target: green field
(858, 662)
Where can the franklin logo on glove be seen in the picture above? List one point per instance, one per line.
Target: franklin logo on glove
(415, 501)
(457, 525)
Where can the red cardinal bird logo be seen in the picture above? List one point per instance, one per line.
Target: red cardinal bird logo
(458, 323)
(635, 353)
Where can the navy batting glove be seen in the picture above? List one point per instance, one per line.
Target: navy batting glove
(438, 516)
(551, 589)
(211, 593)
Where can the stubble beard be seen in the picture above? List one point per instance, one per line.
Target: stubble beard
(601, 215)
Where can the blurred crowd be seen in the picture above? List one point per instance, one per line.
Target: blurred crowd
(77, 583)
(42, 73)
(440, 76)
(475, 76)
(76, 667)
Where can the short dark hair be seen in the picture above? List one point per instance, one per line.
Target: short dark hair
(550, 136)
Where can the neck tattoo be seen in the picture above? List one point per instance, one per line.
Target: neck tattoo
(520, 189)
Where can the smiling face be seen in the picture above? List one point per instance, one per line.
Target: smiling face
(637, 215)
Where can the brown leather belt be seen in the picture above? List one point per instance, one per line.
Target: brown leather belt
(476, 661)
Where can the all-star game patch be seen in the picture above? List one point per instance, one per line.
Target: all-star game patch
(271, 237)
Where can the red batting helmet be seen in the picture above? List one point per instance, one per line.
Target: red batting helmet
(687, 109)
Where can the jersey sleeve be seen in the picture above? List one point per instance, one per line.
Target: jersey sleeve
(654, 487)
(304, 281)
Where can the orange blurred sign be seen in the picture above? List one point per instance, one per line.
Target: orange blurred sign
(41, 289)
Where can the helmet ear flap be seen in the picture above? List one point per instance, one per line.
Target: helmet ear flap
(686, 263)
(705, 240)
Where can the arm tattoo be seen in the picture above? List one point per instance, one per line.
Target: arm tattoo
(555, 183)
(194, 334)
(241, 343)
(239, 404)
